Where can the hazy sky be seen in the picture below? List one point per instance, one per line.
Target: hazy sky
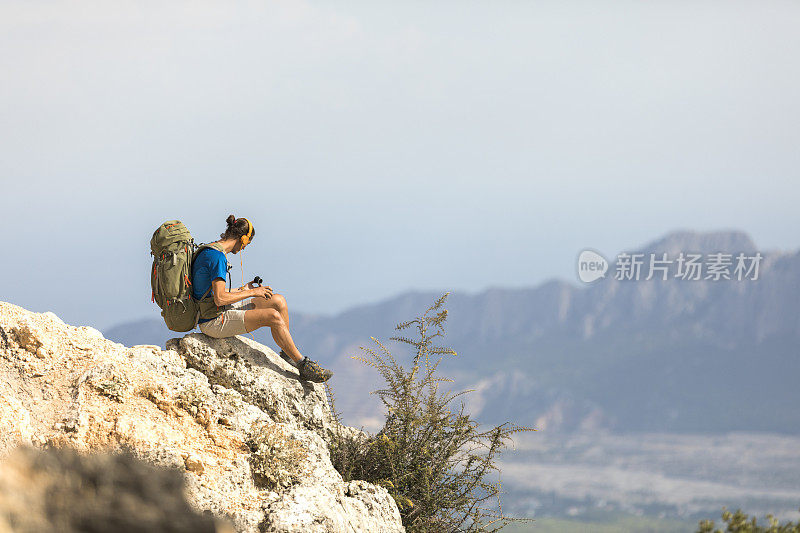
(384, 146)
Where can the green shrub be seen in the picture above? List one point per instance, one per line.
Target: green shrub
(739, 522)
(436, 462)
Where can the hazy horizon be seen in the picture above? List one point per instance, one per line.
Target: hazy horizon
(382, 149)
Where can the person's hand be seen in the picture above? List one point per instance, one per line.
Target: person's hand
(265, 292)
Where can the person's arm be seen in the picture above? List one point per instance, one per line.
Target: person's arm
(222, 297)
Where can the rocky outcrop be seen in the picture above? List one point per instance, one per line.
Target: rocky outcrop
(248, 437)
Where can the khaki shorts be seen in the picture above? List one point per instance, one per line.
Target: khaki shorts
(229, 323)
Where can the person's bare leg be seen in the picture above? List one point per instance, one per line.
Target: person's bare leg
(284, 339)
(271, 314)
(279, 303)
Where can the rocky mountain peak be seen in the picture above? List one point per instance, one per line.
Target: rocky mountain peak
(728, 241)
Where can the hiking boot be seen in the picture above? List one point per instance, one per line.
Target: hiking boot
(285, 357)
(311, 371)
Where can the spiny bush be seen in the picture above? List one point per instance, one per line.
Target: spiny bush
(437, 463)
(277, 460)
(739, 522)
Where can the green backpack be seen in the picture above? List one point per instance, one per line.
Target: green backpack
(173, 249)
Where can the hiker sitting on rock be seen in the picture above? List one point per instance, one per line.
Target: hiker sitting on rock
(223, 313)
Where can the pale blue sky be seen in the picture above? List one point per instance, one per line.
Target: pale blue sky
(379, 146)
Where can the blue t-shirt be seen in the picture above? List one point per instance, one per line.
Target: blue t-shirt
(209, 265)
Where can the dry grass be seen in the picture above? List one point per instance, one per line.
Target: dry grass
(277, 461)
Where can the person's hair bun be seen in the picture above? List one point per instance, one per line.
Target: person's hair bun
(230, 220)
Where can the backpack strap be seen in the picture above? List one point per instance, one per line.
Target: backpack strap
(197, 317)
(194, 256)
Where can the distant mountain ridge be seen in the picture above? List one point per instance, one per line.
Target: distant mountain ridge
(627, 355)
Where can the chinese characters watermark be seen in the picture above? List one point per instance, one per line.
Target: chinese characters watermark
(686, 266)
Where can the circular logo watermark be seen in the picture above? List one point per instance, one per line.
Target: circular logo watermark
(591, 266)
